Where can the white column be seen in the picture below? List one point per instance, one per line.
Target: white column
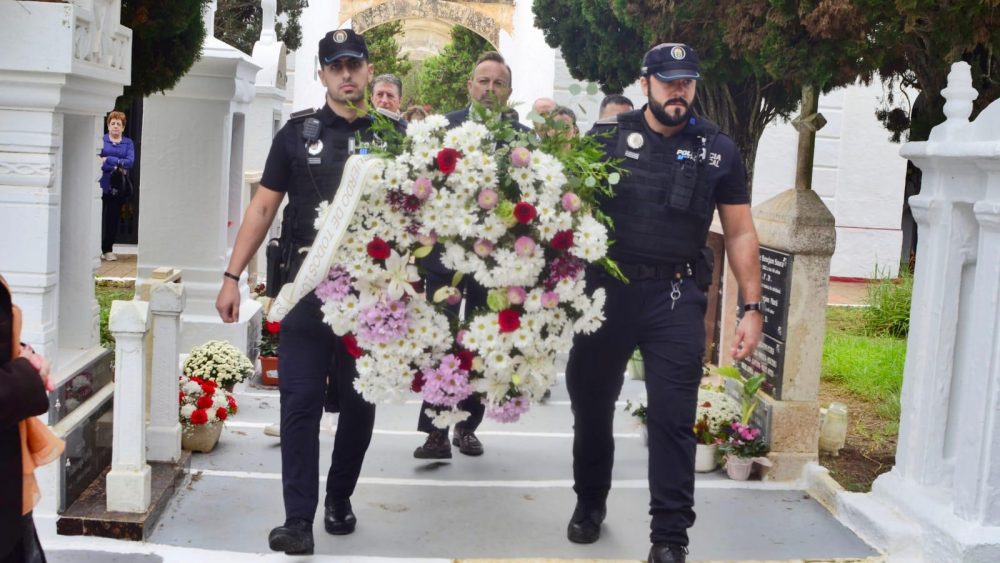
(977, 468)
(163, 436)
(129, 481)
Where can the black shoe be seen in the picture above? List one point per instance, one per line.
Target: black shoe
(295, 537)
(339, 519)
(435, 447)
(585, 525)
(467, 443)
(667, 553)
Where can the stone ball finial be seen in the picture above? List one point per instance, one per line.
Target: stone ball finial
(959, 94)
(267, 32)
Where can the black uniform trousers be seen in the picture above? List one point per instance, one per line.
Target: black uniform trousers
(475, 296)
(672, 343)
(308, 353)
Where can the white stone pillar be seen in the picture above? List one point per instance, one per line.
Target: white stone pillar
(129, 481)
(163, 436)
(942, 500)
(977, 454)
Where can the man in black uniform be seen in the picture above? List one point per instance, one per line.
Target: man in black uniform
(307, 160)
(489, 86)
(681, 168)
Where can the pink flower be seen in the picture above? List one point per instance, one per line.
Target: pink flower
(516, 295)
(428, 239)
(509, 411)
(423, 188)
(520, 157)
(482, 248)
(550, 299)
(488, 199)
(571, 202)
(524, 247)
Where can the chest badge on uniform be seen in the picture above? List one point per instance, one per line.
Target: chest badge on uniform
(315, 147)
(635, 141)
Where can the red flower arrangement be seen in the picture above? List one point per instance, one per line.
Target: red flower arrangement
(203, 402)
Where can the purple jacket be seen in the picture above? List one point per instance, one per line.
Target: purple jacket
(121, 154)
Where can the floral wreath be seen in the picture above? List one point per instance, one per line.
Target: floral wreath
(514, 212)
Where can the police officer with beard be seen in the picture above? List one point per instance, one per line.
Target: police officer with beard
(306, 161)
(681, 169)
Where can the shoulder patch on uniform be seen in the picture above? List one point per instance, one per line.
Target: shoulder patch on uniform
(308, 112)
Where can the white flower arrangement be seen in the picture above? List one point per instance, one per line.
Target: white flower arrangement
(510, 217)
(218, 361)
(716, 411)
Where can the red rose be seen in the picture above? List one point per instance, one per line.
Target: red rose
(378, 249)
(417, 384)
(562, 240)
(465, 359)
(524, 212)
(204, 402)
(199, 416)
(272, 327)
(221, 413)
(351, 343)
(509, 320)
(446, 160)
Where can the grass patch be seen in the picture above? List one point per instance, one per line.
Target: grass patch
(106, 293)
(870, 367)
(888, 310)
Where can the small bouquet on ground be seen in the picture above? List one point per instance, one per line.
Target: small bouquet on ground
(218, 361)
(269, 338)
(204, 402)
(716, 411)
(637, 409)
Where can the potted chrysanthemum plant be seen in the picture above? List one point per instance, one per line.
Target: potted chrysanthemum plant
(269, 352)
(204, 408)
(220, 362)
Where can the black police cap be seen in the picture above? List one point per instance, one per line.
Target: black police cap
(671, 61)
(342, 43)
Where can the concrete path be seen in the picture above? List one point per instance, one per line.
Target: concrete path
(513, 502)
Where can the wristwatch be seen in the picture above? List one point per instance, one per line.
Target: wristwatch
(755, 306)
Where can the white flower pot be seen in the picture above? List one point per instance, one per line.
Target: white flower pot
(704, 458)
(739, 468)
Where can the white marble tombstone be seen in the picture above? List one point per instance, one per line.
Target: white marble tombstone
(192, 203)
(941, 502)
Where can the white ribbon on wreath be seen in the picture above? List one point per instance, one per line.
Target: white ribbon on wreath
(323, 253)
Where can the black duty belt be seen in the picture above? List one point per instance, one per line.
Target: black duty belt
(643, 272)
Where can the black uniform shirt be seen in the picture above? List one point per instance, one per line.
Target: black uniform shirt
(288, 145)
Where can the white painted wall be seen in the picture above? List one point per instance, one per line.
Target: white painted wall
(857, 172)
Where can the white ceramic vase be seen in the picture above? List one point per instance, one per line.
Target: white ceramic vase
(704, 457)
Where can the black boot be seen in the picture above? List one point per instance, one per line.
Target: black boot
(585, 525)
(295, 537)
(339, 519)
(667, 553)
(435, 447)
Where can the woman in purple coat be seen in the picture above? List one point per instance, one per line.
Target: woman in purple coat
(117, 153)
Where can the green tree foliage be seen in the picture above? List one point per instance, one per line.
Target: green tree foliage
(239, 23)
(925, 38)
(443, 76)
(166, 40)
(383, 50)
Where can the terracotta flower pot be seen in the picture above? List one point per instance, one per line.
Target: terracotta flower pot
(201, 437)
(704, 458)
(269, 370)
(738, 468)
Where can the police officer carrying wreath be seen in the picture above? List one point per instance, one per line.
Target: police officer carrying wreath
(681, 168)
(306, 161)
